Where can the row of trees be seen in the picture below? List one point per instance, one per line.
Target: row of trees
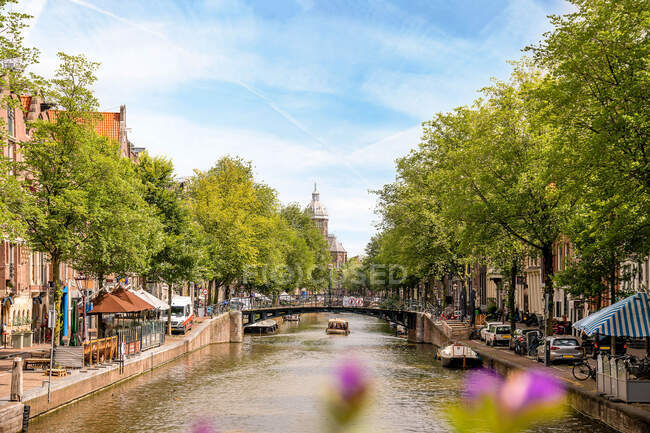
(71, 195)
(559, 150)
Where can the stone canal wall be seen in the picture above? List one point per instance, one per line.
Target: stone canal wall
(226, 328)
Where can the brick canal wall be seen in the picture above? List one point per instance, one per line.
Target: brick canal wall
(226, 328)
(620, 416)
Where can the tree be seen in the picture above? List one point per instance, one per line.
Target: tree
(596, 88)
(501, 164)
(308, 254)
(60, 167)
(227, 204)
(122, 231)
(15, 80)
(178, 255)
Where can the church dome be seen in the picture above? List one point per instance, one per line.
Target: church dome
(317, 209)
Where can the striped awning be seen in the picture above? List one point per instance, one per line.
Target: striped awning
(629, 317)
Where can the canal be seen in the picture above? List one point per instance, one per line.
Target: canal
(276, 384)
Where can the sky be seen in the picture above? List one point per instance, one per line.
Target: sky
(310, 91)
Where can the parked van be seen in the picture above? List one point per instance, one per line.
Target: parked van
(182, 314)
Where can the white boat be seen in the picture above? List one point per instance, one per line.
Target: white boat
(292, 318)
(458, 355)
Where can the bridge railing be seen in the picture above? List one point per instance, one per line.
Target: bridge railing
(245, 304)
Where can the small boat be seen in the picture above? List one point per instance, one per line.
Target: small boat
(268, 326)
(338, 327)
(459, 355)
(292, 318)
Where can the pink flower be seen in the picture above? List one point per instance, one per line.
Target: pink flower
(529, 388)
(519, 391)
(482, 383)
(351, 379)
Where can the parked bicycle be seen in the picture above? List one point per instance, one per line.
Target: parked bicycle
(582, 371)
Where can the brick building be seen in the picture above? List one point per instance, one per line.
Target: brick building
(26, 275)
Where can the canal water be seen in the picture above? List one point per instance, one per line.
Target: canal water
(277, 384)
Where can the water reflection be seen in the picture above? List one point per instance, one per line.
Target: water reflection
(274, 384)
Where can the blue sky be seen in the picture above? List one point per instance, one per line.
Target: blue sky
(326, 91)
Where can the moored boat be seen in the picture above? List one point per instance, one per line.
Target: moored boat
(338, 327)
(458, 355)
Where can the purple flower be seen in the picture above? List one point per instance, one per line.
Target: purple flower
(203, 426)
(482, 383)
(525, 389)
(351, 380)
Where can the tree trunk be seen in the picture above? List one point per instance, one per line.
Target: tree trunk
(511, 295)
(58, 293)
(170, 291)
(547, 278)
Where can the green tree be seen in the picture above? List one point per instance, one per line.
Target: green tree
(177, 257)
(15, 80)
(122, 231)
(231, 209)
(60, 166)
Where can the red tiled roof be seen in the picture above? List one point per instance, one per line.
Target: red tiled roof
(26, 101)
(108, 125)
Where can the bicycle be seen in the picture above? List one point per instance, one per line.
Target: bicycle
(583, 371)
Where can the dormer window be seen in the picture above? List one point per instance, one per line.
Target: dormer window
(11, 121)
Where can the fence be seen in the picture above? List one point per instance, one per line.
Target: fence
(100, 350)
(142, 337)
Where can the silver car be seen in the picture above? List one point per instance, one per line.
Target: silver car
(562, 348)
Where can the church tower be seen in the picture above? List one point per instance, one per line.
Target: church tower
(318, 212)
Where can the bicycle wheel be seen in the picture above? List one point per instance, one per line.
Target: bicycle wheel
(582, 371)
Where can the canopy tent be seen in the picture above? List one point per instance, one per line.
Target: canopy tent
(151, 299)
(629, 317)
(132, 299)
(119, 301)
(284, 296)
(108, 303)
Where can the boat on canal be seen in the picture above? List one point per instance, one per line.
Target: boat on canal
(267, 326)
(292, 318)
(338, 327)
(459, 355)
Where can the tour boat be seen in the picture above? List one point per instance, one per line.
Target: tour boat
(292, 318)
(458, 355)
(338, 327)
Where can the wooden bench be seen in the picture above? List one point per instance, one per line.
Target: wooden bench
(33, 363)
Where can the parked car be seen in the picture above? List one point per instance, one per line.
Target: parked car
(603, 344)
(562, 348)
(485, 329)
(519, 337)
(499, 336)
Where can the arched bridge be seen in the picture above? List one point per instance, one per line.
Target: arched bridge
(406, 318)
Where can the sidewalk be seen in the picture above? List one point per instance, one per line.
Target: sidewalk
(35, 378)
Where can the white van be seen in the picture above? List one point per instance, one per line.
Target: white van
(182, 314)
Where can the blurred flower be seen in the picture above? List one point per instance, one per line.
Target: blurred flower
(507, 405)
(351, 379)
(526, 389)
(203, 426)
(481, 383)
(348, 397)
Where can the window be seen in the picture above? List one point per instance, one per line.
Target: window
(11, 121)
